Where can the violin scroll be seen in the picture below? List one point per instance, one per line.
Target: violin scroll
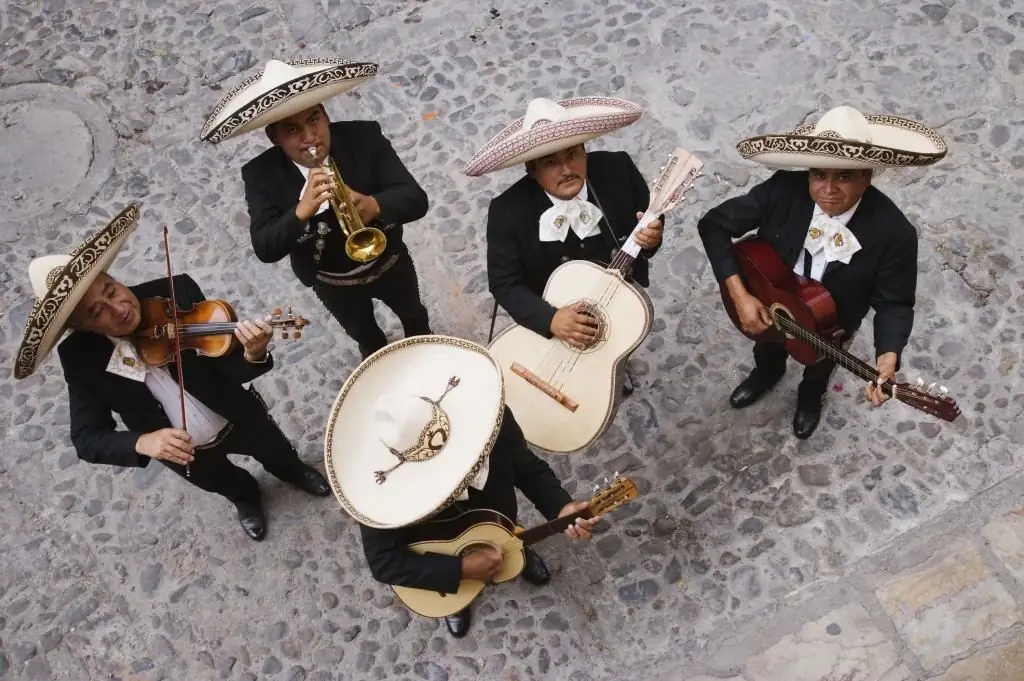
(288, 322)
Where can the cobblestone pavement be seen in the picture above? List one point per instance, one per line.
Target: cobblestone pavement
(883, 549)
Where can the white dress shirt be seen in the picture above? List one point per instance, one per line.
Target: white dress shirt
(822, 242)
(203, 423)
(577, 214)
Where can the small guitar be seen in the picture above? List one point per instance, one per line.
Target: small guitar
(564, 397)
(484, 528)
(804, 319)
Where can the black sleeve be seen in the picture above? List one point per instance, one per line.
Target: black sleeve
(642, 199)
(532, 474)
(392, 562)
(399, 196)
(730, 220)
(94, 432)
(274, 233)
(506, 273)
(893, 297)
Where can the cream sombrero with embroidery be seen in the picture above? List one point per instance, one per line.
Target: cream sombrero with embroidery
(551, 126)
(845, 138)
(60, 281)
(412, 428)
(282, 89)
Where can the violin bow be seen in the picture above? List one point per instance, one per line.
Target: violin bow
(177, 340)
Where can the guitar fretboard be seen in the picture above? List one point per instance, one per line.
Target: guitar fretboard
(551, 528)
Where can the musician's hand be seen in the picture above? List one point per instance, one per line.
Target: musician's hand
(365, 205)
(169, 444)
(582, 527)
(886, 368)
(318, 189)
(254, 337)
(754, 317)
(574, 328)
(482, 564)
(650, 236)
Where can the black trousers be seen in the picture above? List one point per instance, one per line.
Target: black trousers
(214, 472)
(770, 359)
(352, 306)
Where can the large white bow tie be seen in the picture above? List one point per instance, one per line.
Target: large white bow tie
(831, 236)
(125, 361)
(583, 217)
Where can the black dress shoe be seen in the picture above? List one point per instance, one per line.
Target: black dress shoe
(807, 416)
(535, 571)
(253, 521)
(458, 624)
(752, 387)
(308, 479)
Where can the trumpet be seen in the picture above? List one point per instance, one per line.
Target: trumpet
(362, 243)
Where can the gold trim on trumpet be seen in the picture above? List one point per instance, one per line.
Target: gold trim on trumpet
(362, 243)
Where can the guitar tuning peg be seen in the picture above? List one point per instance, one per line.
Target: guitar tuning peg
(616, 475)
(606, 479)
(297, 335)
(919, 382)
(943, 390)
(931, 388)
(276, 312)
(597, 487)
(284, 334)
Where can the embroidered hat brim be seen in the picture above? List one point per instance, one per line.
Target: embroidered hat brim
(282, 89)
(591, 117)
(895, 143)
(65, 288)
(355, 456)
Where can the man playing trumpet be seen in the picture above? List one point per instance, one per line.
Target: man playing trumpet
(342, 233)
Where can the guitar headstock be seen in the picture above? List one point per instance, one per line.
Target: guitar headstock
(675, 179)
(620, 492)
(931, 400)
(278, 320)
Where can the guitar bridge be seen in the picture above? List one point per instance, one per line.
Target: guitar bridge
(545, 387)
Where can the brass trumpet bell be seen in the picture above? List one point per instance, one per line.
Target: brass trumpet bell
(362, 243)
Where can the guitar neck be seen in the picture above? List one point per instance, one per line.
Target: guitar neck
(835, 353)
(551, 528)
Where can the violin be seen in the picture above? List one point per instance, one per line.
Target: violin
(208, 328)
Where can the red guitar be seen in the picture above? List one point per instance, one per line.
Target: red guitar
(804, 319)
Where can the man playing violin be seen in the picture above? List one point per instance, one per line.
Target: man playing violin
(554, 213)
(106, 376)
(828, 222)
(288, 192)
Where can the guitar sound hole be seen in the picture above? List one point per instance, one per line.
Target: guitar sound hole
(592, 310)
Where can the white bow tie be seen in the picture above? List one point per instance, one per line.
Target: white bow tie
(478, 481)
(583, 217)
(831, 236)
(125, 361)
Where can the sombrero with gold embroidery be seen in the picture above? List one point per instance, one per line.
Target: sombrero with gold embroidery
(846, 139)
(282, 89)
(551, 126)
(412, 428)
(60, 281)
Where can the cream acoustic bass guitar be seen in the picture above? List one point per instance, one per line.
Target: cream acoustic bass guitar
(564, 398)
(481, 528)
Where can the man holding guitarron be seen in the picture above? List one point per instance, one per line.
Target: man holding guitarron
(827, 222)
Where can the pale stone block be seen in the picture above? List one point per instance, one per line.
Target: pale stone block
(841, 646)
(1005, 536)
(1002, 663)
(945, 606)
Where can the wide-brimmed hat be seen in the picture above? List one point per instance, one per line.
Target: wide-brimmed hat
(412, 427)
(551, 126)
(60, 281)
(282, 89)
(846, 139)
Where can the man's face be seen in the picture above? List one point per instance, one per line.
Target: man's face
(296, 134)
(108, 308)
(561, 174)
(837, 191)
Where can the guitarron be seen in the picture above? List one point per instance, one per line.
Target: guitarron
(804, 319)
(564, 398)
(484, 528)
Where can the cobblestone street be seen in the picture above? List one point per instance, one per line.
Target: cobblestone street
(888, 547)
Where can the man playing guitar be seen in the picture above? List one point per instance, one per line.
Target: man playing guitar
(832, 225)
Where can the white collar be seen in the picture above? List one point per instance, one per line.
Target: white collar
(582, 196)
(843, 218)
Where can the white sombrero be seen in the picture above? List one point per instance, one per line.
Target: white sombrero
(282, 89)
(551, 126)
(846, 139)
(411, 429)
(60, 281)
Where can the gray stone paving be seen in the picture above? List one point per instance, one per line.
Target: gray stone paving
(113, 574)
